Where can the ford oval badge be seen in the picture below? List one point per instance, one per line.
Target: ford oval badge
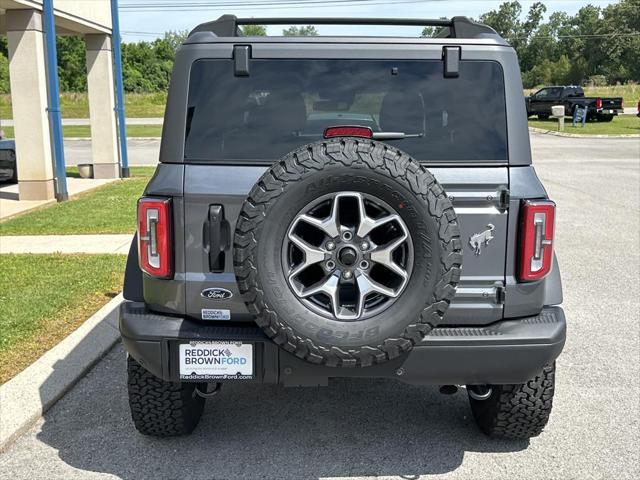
(216, 293)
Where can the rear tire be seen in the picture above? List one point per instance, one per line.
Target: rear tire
(518, 411)
(160, 408)
(605, 118)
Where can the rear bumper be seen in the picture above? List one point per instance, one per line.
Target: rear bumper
(509, 351)
(610, 111)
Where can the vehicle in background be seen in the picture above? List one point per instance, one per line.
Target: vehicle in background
(8, 164)
(638, 114)
(572, 97)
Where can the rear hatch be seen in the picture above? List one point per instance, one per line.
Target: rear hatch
(237, 126)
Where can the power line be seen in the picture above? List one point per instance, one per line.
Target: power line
(265, 5)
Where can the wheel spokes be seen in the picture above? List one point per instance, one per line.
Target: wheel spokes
(367, 286)
(312, 255)
(367, 224)
(328, 225)
(330, 269)
(330, 286)
(384, 256)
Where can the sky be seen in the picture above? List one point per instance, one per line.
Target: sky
(148, 19)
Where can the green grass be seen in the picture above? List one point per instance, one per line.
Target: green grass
(145, 172)
(43, 298)
(84, 131)
(620, 125)
(76, 105)
(108, 209)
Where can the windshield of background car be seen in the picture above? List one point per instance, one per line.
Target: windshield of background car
(286, 103)
(549, 93)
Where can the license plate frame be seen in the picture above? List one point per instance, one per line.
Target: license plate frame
(209, 360)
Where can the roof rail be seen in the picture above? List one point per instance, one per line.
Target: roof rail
(456, 27)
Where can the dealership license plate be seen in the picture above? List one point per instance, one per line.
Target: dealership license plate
(216, 361)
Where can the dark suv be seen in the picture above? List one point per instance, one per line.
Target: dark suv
(344, 207)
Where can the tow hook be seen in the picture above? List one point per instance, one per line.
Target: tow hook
(479, 392)
(212, 393)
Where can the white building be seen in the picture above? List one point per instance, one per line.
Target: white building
(22, 22)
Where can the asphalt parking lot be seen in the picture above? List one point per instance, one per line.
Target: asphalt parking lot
(384, 429)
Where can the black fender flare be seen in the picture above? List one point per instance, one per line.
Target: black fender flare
(133, 290)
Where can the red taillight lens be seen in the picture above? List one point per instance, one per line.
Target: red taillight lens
(155, 250)
(598, 103)
(536, 239)
(348, 131)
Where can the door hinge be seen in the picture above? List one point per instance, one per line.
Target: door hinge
(241, 56)
(501, 294)
(451, 60)
(505, 197)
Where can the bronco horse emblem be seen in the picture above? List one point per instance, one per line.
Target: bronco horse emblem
(477, 239)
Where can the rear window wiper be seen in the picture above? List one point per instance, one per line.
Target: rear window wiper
(395, 135)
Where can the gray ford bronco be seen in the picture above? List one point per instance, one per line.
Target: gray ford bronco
(332, 207)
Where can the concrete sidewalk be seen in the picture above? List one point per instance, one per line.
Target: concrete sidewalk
(118, 244)
(11, 205)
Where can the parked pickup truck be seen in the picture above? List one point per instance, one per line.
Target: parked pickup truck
(598, 108)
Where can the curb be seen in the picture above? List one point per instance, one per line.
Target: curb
(576, 135)
(28, 395)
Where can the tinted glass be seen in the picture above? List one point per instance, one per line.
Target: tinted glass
(552, 92)
(284, 104)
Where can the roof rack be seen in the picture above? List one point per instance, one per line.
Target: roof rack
(456, 27)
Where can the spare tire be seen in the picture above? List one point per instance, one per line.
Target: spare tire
(347, 251)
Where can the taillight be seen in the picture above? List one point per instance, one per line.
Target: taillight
(598, 103)
(536, 239)
(155, 251)
(348, 131)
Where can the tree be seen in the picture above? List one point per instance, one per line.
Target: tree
(72, 63)
(4, 74)
(506, 21)
(593, 43)
(428, 32)
(302, 31)
(254, 30)
(175, 38)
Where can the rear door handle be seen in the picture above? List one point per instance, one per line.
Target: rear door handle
(218, 238)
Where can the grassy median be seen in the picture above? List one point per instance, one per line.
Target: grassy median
(620, 125)
(84, 131)
(107, 209)
(76, 105)
(43, 298)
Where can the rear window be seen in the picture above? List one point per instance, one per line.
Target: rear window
(284, 104)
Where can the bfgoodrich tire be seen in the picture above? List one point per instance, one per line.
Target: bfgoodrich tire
(361, 169)
(516, 411)
(159, 408)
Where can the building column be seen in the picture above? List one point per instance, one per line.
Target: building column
(28, 79)
(104, 140)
